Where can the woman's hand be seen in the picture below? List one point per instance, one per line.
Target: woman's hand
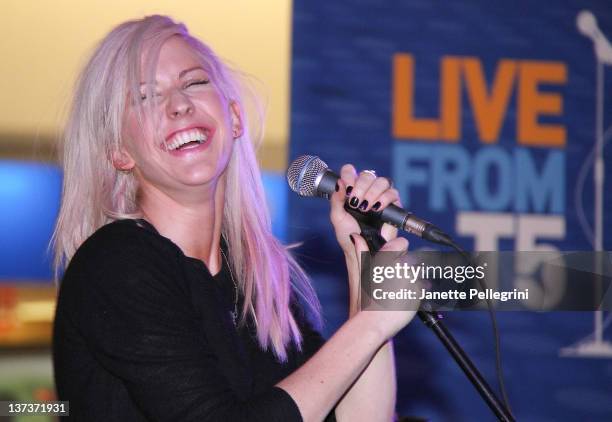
(387, 322)
(365, 192)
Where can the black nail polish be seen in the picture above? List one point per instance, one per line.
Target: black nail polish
(376, 206)
(354, 202)
(349, 189)
(363, 205)
(337, 187)
(352, 239)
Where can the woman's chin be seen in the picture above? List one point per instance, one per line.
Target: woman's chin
(200, 179)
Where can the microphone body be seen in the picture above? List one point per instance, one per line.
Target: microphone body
(310, 176)
(587, 25)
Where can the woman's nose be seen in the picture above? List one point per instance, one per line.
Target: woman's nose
(179, 105)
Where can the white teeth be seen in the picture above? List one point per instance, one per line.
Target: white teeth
(185, 137)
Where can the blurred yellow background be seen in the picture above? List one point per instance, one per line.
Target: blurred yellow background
(43, 44)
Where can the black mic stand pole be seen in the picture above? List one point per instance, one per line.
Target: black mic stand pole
(433, 321)
(370, 230)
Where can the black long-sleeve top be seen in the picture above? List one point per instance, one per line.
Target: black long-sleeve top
(143, 332)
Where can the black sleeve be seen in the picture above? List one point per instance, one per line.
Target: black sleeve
(140, 326)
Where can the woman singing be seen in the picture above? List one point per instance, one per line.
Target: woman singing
(177, 303)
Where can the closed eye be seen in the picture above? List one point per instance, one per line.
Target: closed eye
(198, 82)
(143, 96)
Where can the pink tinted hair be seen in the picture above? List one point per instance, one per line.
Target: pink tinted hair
(95, 193)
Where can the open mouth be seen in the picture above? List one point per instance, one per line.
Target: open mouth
(186, 139)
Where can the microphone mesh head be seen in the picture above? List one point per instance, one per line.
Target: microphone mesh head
(303, 172)
(586, 22)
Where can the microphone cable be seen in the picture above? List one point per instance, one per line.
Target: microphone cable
(498, 361)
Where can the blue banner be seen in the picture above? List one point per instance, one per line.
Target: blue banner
(487, 117)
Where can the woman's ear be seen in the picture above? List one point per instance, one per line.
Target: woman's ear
(236, 119)
(122, 160)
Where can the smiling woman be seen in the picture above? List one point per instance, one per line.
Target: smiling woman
(182, 130)
(177, 302)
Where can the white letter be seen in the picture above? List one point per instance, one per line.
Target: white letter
(377, 271)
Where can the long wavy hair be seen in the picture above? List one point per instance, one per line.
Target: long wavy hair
(95, 193)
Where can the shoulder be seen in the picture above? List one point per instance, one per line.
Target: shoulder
(123, 287)
(120, 251)
(123, 240)
(123, 272)
(122, 235)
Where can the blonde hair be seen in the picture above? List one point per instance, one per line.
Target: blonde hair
(95, 193)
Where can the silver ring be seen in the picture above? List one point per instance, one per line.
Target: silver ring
(372, 172)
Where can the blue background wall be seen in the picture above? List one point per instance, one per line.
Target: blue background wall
(29, 201)
(342, 110)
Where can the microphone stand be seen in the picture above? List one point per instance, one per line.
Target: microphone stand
(370, 230)
(433, 321)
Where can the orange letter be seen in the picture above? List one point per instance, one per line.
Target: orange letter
(404, 124)
(532, 103)
(450, 107)
(489, 110)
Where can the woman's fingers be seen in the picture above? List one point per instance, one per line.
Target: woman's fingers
(370, 192)
(349, 175)
(379, 187)
(357, 197)
(363, 191)
(386, 197)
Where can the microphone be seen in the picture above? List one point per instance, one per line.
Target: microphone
(587, 25)
(308, 175)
